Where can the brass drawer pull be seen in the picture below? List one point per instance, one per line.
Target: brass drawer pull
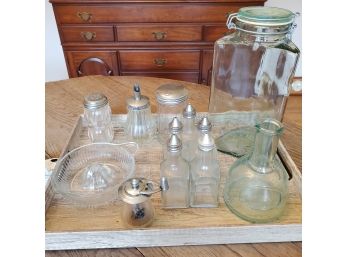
(160, 62)
(88, 35)
(85, 16)
(159, 35)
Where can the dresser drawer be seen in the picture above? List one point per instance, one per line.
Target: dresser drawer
(212, 33)
(159, 60)
(87, 33)
(169, 12)
(183, 76)
(142, 32)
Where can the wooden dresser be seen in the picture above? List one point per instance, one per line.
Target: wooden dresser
(169, 39)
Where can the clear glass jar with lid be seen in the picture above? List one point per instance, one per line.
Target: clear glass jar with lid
(171, 100)
(253, 68)
(97, 114)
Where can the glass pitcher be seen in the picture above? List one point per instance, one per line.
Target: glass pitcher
(252, 73)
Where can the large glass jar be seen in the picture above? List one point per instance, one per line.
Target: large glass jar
(257, 185)
(252, 72)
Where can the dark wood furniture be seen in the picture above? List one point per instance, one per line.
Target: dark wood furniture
(169, 39)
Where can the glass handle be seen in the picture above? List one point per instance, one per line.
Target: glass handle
(160, 62)
(89, 36)
(85, 16)
(159, 35)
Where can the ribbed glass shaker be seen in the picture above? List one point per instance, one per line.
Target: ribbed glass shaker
(171, 100)
(97, 114)
(140, 124)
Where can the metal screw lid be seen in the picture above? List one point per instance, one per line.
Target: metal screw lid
(189, 112)
(138, 101)
(171, 94)
(206, 142)
(204, 125)
(95, 100)
(175, 126)
(174, 143)
(131, 190)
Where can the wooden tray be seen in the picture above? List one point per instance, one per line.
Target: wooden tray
(70, 227)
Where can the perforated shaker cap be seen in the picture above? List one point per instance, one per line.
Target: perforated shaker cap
(174, 143)
(175, 126)
(95, 100)
(171, 94)
(206, 142)
(137, 101)
(189, 112)
(204, 125)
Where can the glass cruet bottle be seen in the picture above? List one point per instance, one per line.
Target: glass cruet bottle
(189, 138)
(175, 170)
(257, 186)
(205, 174)
(253, 68)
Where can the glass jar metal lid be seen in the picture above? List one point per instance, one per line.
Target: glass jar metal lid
(95, 101)
(171, 94)
(265, 16)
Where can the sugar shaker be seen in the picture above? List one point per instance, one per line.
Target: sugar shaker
(97, 113)
(140, 125)
(171, 100)
(137, 209)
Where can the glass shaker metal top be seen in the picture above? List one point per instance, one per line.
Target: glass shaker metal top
(206, 142)
(175, 126)
(171, 94)
(140, 125)
(204, 125)
(94, 101)
(97, 113)
(174, 144)
(189, 112)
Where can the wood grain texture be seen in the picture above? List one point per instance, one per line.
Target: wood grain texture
(64, 105)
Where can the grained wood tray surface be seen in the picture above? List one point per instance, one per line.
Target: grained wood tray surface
(71, 227)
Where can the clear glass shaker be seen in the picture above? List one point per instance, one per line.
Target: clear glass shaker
(204, 126)
(257, 186)
(137, 209)
(205, 174)
(140, 125)
(189, 134)
(97, 113)
(175, 170)
(252, 73)
(171, 100)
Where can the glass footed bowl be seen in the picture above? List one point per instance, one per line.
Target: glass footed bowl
(90, 175)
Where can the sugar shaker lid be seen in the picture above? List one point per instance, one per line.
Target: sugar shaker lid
(137, 101)
(189, 112)
(95, 100)
(206, 142)
(204, 125)
(175, 125)
(171, 94)
(131, 191)
(174, 143)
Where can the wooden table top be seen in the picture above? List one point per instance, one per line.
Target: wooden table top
(64, 105)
